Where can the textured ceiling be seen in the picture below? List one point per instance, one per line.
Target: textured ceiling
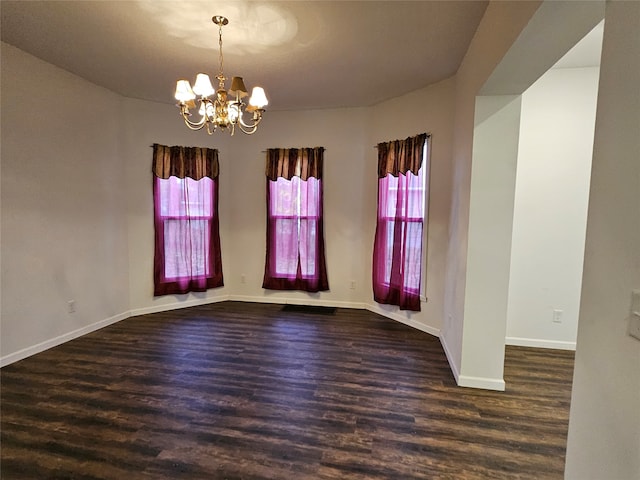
(306, 54)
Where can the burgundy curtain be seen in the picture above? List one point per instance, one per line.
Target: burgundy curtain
(397, 251)
(187, 254)
(295, 258)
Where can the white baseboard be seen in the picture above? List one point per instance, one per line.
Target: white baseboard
(537, 343)
(297, 301)
(399, 317)
(59, 340)
(481, 382)
(165, 307)
(461, 380)
(455, 369)
(332, 303)
(41, 347)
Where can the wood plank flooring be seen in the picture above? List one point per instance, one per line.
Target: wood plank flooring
(245, 391)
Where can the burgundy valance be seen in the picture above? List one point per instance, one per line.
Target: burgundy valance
(401, 156)
(182, 162)
(294, 162)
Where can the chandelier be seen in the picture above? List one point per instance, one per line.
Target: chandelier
(220, 109)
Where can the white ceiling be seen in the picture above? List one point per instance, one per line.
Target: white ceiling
(306, 54)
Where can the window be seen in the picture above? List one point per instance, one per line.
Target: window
(295, 240)
(397, 262)
(185, 211)
(294, 210)
(187, 250)
(404, 216)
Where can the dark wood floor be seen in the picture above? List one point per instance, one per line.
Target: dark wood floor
(246, 391)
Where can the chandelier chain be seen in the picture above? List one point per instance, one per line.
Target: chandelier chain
(220, 57)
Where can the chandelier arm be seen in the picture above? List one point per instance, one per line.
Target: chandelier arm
(193, 125)
(248, 130)
(252, 126)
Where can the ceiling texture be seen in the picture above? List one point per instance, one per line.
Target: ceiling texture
(306, 54)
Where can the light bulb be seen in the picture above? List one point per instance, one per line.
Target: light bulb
(184, 93)
(258, 98)
(203, 85)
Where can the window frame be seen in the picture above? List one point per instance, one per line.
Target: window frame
(187, 218)
(313, 219)
(387, 219)
(182, 277)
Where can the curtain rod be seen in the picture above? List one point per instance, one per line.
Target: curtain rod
(427, 134)
(297, 148)
(263, 151)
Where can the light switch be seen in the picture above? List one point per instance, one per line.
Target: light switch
(635, 301)
(634, 316)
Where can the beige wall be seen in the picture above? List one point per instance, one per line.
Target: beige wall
(604, 427)
(144, 124)
(498, 30)
(63, 206)
(429, 110)
(114, 216)
(350, 187)
(550, 213)
(242, 200)
(341, 133)
(493, 172)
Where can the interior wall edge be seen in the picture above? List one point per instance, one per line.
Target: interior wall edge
(452, 364)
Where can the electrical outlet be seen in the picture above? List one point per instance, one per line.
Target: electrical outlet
(243, 278)
(353, 284)
(71, 306)
(557, 316)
